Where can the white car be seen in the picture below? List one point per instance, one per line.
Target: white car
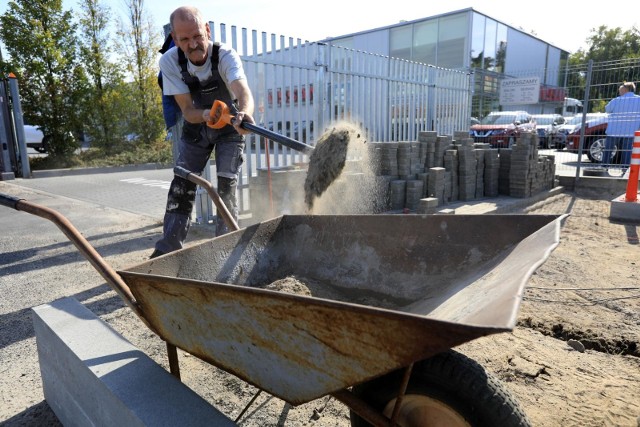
(547, 126)
(35, 138)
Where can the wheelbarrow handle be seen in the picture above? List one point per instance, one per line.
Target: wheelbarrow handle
(221, 208)
(9, 201)
(81, 243)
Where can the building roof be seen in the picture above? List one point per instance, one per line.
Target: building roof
(455, 12)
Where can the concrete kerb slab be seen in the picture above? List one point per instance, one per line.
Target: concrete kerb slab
(7, 176)
(91, 375)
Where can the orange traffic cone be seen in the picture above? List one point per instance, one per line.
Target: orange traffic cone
(634, 169)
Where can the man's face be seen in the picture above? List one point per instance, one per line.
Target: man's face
(192, 39)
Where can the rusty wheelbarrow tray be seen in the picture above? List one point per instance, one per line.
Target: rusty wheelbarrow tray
(403, 289)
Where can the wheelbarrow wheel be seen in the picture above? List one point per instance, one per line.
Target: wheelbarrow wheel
(448, 389)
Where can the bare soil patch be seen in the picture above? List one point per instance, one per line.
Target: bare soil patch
(587, 292)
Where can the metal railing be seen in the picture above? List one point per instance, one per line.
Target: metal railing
(579, 144)
(302, 88)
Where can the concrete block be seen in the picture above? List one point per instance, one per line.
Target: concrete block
(624, 211)
(594, 186)
(7, 176)
(91, 375)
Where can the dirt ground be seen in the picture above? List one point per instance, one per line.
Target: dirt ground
(572, 360)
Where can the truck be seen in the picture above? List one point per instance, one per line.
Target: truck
(571, 107)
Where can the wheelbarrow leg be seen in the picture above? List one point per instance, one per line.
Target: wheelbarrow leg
(401, 392)
(174, 365)
(362, 408)
(368, 413)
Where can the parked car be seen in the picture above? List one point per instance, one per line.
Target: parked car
(35, 138)
(501, 128)
(594, 136)
(547, 126)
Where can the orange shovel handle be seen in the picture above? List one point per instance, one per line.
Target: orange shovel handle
(219, 115)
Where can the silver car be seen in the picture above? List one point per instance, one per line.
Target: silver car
(547, 126)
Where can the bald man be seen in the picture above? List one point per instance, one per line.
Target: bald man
(196, 72)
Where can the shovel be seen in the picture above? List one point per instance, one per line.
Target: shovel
(221, 115)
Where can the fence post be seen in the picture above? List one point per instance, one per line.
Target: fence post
(587, 94)
(634, 169)
(320, 86)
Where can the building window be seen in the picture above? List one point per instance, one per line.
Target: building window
(490, 34)
(501, 48)
(452, 32)
(400, 42)
(477, 41)
(425, 42)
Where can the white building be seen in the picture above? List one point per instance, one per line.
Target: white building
(472, 41)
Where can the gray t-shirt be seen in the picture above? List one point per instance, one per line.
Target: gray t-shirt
(229, 66)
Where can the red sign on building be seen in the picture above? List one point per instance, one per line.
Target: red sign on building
(552, 94)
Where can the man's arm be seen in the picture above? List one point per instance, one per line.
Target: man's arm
(609, 107)
(190, 113)
(241, 90)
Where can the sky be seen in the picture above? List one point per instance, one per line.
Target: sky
(559, 23)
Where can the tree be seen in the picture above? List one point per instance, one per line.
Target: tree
(140, 44)
(611, 44)
(615, 54)
(40, 39)
(104, 102)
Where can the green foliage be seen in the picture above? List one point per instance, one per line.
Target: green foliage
(130, 153)
(614, 56)
(74, 81)
(104, 100)
(126, 154)
(139, 43)
(40, 38)
(612, 44)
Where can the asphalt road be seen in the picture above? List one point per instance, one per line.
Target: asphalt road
(142, 192)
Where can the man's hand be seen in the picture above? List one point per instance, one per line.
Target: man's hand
(240, 117)
(206, 116)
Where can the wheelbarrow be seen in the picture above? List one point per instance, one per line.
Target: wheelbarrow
(393, 295)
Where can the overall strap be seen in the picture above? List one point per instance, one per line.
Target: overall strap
(192, 81)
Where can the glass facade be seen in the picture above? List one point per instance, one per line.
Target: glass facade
(452, 37)
(438, 41)
(425, 41)
(400, 42)
(468, 40)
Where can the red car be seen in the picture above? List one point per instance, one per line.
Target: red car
(595, 128)
(502, 128)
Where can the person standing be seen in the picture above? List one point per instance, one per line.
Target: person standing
(622, 122)
(196, 72)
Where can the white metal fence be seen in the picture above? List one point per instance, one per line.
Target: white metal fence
(302, 88)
